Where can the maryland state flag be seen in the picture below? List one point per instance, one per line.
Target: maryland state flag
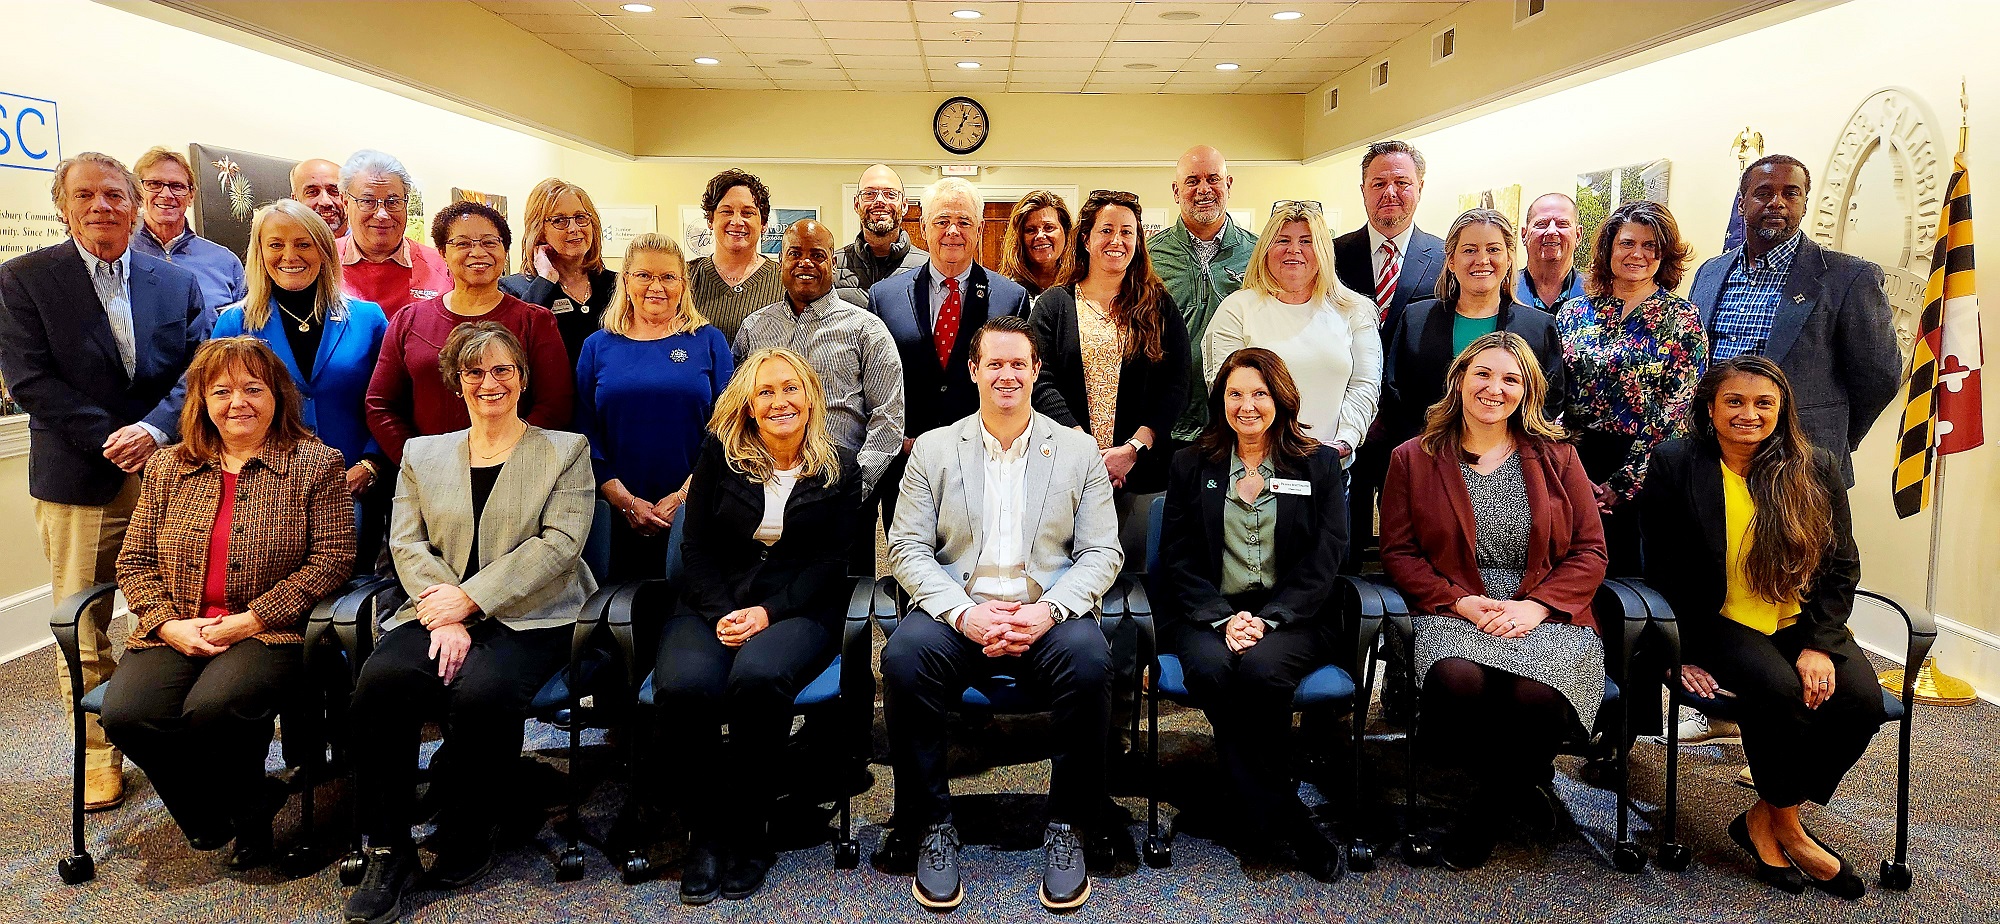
(1941, 410)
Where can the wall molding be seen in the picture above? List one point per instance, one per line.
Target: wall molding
(1967, 652)
(24, 623)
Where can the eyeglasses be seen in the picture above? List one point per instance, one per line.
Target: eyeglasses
(645, 280)
(566, 222)
(395, 204)
(1113, 195)
(1297, 207)
(476, 375)
(481, 243)
(159, 186)
(879, 195)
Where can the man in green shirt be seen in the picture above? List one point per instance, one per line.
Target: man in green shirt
(1201, 259)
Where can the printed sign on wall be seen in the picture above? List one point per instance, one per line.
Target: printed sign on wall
(30, 137)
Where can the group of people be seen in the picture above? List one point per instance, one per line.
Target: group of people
(230, 440)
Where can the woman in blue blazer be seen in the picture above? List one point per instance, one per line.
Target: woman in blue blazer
(329, 342)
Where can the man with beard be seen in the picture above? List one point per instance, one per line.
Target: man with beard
(166, 192)
(316, 184)
(1201, 261)
(882, 249)
(1821, 315)
(1549, 236)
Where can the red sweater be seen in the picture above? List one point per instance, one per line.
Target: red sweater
(408, 397)
(416, 272)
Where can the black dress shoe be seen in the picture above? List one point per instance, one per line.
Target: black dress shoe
(898, 854)
(1844, 884)
(253, 848)
(1065, 879)
(1786, 878)
(1468, 844)
(937, 886)
(206, 840)
(700, 875)
(1315, 855)
(461, 861)
(379, 897)
(743, 872)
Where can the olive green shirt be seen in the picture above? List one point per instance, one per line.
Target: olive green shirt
(1197, 290)
(1249, 534)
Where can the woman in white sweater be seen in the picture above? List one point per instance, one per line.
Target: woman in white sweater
(1294, 305)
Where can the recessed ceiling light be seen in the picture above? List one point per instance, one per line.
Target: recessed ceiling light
(969, 65)
(1140, 66)
(794, 62)
(1227, 66)
(637, 8)
(1287, 15)
(747, 10)
(967, 14)
(706, 61)
(1180, 15)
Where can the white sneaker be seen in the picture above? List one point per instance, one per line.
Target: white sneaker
(1698, 728)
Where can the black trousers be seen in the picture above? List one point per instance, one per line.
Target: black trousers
(1364, 490)
(926, 667)
(371, 533)
(1248, 699)
(1502, 727)
(882, 504)
(1602, 454)
(200, 727)
(482, 711)
(1795, 753)
(699, 684)
(634, 555)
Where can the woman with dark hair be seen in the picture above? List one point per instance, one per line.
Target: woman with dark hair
(1474, 297)
(239, 531)
(735, 279)
(1255, 529)
(1632, 351)
(406, 396)
(1490, 529)
(562, 261)
(1748, 535)
(1036, 253)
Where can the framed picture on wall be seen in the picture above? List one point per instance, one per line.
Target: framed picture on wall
(773, 240)
(1599, 192)
(622, 223)
(696, 239)
(231, 185)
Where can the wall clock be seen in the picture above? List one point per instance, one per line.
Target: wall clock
(960, 125)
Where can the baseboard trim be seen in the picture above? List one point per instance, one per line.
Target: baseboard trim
(1967, 652)
(24, 623)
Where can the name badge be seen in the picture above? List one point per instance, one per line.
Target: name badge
(1291, 486)
(562, 306)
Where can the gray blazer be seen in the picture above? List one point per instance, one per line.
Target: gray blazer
(1835, 337)
(530, 536)
(1073, 549)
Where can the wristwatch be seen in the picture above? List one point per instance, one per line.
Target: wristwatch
(1136, 445)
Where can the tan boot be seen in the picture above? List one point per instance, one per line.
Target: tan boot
(1745, 780)
(103, 788)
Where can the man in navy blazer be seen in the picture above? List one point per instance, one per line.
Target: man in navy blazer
(1820, 314)
(94, 342)
(937, 386)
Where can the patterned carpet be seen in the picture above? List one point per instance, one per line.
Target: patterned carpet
(146, 872)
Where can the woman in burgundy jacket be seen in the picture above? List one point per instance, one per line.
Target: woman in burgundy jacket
(1491, 530)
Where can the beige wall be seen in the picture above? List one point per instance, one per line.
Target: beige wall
(22, 566)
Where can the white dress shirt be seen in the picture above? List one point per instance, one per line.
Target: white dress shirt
(939, 293)
(777, 492)
(1376, 259)
(1002, 570)
(118, 311)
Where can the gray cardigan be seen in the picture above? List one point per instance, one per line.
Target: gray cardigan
(531, 533)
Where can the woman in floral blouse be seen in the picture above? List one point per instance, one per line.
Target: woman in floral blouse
(1633, 351)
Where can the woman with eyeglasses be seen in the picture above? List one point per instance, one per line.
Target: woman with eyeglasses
(645, 387)
(407, 398)
(1293, 304)
(1037, 253)
(562, 262)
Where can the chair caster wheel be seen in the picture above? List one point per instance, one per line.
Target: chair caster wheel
(351, 868)
(81, 868)
(1674, 857)
(635, 868)
(1419, 851)
(846, 854)
(1361, 856)
(1894, 875)
(1159, 852)
(569, 866)
(1628, 859)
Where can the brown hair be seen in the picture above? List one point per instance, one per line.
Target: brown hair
(157, 155)
(1006, 324)
(541, 207)
(1674, 252)
(1014, 262)
(1291, 446)
(722, 183)
(1447, 284)
(1793, 525)
(1444, 423)
(58, 188)
(200, 440)
(1142, 298)
(468, 341)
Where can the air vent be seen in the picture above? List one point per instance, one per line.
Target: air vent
(1443, 45)
(1378, 77)
(1332, 99)
(1525, 10)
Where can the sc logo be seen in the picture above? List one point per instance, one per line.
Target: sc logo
(30, 137)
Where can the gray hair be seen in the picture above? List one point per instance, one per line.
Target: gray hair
(468, 342)
(367, 162)
(949, 188)
(1380, 148)
(57, 188)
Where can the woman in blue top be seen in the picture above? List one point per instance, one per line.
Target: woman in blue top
(645, 386)
(327, 340)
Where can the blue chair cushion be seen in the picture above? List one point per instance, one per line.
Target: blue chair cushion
(93, 701)
(1328, 686)
(553, 695)
(823, 689)
(1611, 691)
(1727, 709)
(1172, 681)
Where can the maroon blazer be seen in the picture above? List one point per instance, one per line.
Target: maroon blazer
(1429, 555)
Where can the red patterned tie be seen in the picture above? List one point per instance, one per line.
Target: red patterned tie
(947, 321)
(1385, 284)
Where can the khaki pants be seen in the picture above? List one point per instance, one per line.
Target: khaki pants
(82, 544)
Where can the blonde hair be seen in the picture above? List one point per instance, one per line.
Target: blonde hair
(1447, 283)
(1327, 286)
(618, 317)
(257, 283)
(541, 206)
(1444, 423)
(735, 427)
(153, 157)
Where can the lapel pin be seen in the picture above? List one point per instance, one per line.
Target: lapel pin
(1047, 452)
(1798, 299)
(1211, 482)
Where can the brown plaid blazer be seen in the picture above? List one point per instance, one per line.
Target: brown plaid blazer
(292, 543)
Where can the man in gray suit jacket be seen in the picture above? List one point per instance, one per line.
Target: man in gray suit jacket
(1821, 315)
(1006, 540)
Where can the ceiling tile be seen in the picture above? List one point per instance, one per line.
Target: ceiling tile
(1413, 14)
(585, 23)
(1150, 50)
(1123, 77)
(948, 31)
(747, 83)
(871, 73)
(1165, 32)
(959, 75)
(728, 70)
(1244, 65)
(1233, 50)
(1316, 11)
(569, 41)
(1044, 88)
(1327, 48)
(960, 51)
(766, 27)
(772, 62)
(1046, 50)
(662, 83)
(835, 82)
(661, 8)
(780, 9)
(1067, 11)
(895, 86)
(663, 25)
(785, 47)
(1268, 32)
(868, 30)
(535, 7)
(1291, 65)
(682, 46)
(1209, 11)
(1064, 32)
(640, 70)
(887, 48)
(853, 11)
(941, 10)
(600, 57)
(1366, 32)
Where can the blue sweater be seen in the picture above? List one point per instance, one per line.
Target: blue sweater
(645, 405)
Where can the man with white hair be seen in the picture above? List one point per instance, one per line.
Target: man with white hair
(882, 249)
(378, 262)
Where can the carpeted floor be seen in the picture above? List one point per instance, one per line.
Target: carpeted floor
(146, 872)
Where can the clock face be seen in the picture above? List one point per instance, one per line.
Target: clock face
(960, 125)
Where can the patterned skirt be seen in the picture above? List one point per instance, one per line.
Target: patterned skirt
(1569, 658)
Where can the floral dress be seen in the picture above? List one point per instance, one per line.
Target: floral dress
(1633, 378)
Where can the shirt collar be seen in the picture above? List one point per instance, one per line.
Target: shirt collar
(1779, 258)
(91, 262)
(938, 277)
(1236, 468)
(350, 254)
(995, 453)
(817, 308)
(1402, 240)
(187, 231)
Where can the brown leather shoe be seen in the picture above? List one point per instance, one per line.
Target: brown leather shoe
(103, 788)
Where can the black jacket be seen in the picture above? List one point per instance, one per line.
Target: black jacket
(802, 574)
(1682, 520)
(1150, 394)
(1419, 354)
(934, 394)
(577, 322)
(1311, 540)
(1354, 263)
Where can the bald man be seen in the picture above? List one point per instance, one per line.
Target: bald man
(316, 183)
(882, 249)
(1201, 259)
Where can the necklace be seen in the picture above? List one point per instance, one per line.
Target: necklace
(503, 449)
(305, 323)
(737, 283)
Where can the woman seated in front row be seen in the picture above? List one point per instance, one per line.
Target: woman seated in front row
(486, 533)
(238, 532)
(1747, 534)
(1490, 528)
(1256, 524)
(764, 551)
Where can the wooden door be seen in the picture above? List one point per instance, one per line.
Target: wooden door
(992, 231)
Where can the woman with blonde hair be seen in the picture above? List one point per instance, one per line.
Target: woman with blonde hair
(1293, 304)
(1036, 253)
(562, 261)
(645, 387)
(764, 549)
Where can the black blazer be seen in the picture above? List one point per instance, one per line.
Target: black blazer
(580, 321)
(1419, 354)
(61, 363)
(1150, 394)
(1682, 523)
(802, 574)
(1354, 263)
(934, 395)
(1311, 539)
